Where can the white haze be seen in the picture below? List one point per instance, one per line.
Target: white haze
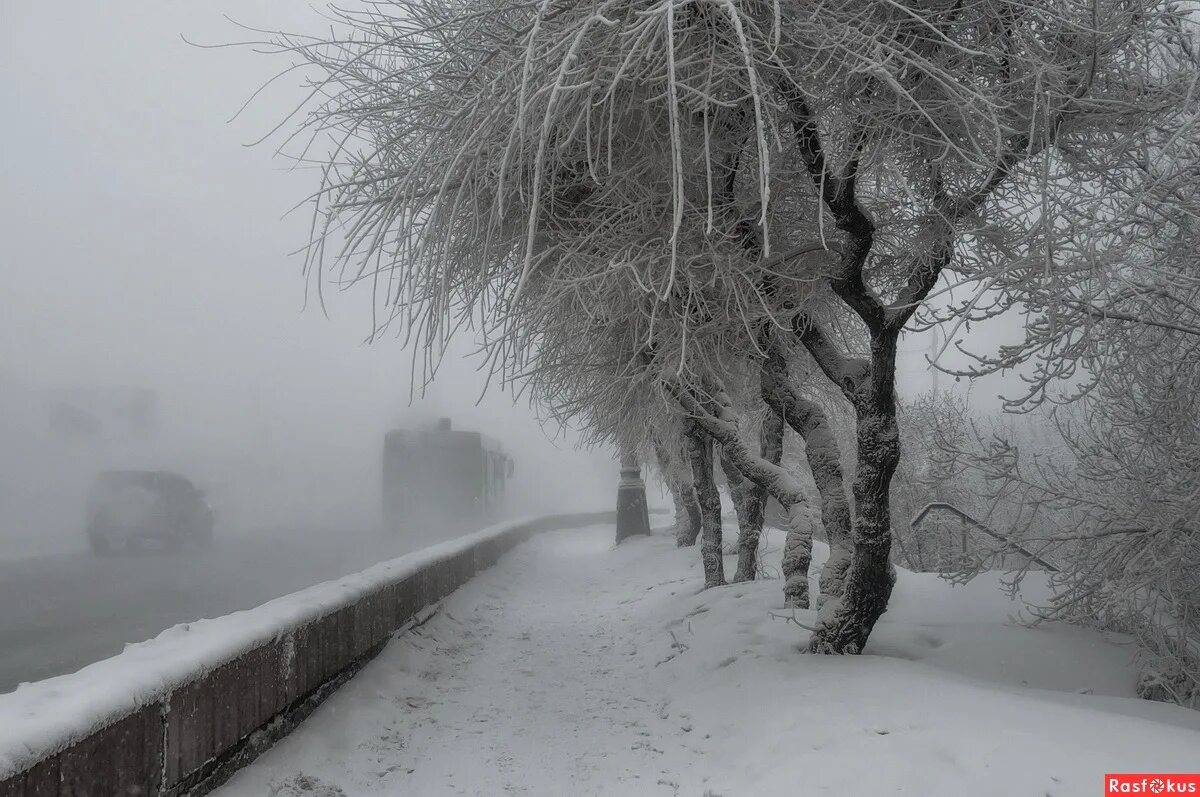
(145, 246)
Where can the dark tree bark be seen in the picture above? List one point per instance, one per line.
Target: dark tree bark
(870, 577)
(700, 449)
(870, 386)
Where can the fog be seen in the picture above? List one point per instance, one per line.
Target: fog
(146, 253)
(146, 248)
(966, 555)
(154, 317)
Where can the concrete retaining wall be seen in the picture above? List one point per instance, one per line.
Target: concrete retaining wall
(184, 735)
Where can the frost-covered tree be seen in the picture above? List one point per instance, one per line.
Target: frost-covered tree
(1115, 510)
(647, 177)
(932, 424)
(1115, 506)
(670, 457)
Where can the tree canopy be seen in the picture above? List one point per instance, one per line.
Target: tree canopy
(635, 203)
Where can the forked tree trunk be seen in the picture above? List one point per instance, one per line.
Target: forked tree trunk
(715, 420)
(846, 622)
(824, 460)
(750, 498)
(700, 449)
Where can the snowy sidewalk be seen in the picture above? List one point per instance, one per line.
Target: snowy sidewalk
(572, 668)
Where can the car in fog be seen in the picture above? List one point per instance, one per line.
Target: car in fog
(129, 508)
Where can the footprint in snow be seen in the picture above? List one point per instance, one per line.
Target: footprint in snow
(301, 785)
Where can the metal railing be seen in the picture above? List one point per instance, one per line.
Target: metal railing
(1009, 544)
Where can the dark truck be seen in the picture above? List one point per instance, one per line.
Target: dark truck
(442, 477)
(128, 508)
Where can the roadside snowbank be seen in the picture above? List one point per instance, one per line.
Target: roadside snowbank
(39, 719)
(573, 668)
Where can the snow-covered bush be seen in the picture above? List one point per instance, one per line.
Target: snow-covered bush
(1117, 508)
(925, 476)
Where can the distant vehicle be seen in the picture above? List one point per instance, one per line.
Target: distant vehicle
(442, 476)
(128, 508)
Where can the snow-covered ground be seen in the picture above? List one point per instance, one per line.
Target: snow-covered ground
(572, 668)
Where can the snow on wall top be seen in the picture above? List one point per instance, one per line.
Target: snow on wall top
(40, 719)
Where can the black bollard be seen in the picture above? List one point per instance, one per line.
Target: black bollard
(633, 516)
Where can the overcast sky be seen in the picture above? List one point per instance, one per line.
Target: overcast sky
(144, 244)
(144, 241)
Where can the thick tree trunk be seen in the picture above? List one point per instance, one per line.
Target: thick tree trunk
(846, 622)
(748, 514)
(750, 499)
(833, 573)
(689, 533)
(797, 556)
(687, 512)
(701, 453)
(677, 473)
(681, 514)
(824, 460)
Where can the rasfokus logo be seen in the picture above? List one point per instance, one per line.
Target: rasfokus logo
(1151, 783)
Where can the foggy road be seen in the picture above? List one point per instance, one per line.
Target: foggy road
(60, 613)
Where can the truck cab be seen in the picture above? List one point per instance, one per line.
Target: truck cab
(442, 476)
